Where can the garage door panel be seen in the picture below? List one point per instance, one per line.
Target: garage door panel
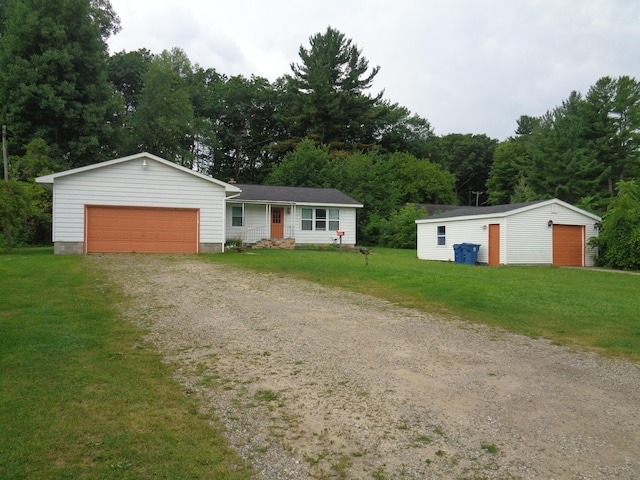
(143, 230)
(568, 245)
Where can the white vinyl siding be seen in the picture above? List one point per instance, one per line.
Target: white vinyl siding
(256, 217)
(469, 231)
(337, 218)
(525, 237)
(130, 184)
(299, 220)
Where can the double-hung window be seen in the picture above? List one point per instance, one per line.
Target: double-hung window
(307, 219)
(334, 219)
(236, 216)
(442, 235)
(320, 219)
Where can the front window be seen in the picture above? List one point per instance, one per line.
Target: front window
(320, 219)
(236, 216)
(307, 219)
(442, 235)
(334, 219)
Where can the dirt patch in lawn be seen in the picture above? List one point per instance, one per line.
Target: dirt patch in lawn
(315, 382)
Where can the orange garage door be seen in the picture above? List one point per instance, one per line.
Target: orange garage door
(143, 230)
(568, 245)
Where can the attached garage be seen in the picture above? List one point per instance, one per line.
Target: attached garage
(544, 232)
(141, 203)
(141, 229)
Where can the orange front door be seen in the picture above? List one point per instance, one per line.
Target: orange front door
(277, 222)
(494, 245)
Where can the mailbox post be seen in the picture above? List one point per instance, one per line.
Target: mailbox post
(340, 234)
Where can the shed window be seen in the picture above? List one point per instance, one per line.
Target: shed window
(236, 217)
(442, 235)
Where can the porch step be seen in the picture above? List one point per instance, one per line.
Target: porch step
(281, 243)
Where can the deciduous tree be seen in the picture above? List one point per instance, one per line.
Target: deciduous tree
(619, 239)
(53, 80)
(469, 157)
(163, 123)
(306, 166)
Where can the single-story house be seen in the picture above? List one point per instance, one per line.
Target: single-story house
(302, 215)
(140, 203)
(143, 203)
(544, 232)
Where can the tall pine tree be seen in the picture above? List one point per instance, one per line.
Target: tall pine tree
(331, 81)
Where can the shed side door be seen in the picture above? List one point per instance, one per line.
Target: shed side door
(494, 245)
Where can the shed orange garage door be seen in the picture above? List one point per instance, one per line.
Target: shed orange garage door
(568, 245)
(143, 230)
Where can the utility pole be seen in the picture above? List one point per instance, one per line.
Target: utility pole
(5, 161)
(477, 194)
(4, 153)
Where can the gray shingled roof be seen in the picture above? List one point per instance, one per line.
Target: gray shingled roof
(269, 193)
(469, 211)
(433, 208)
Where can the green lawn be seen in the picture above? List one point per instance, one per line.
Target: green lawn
(593, 310)
(81, 395)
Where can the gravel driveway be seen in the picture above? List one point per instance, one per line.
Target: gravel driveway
(314, 382)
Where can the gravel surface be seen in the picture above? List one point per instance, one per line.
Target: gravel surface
(315, 382)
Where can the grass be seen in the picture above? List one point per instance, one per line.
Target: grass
(587, 309)
(81, 394)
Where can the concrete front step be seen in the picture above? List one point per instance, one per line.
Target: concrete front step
(281, 243)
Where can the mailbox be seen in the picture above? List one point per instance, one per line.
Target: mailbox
(340, 233)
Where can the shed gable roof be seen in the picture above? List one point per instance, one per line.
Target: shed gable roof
(270, 193)
(49, 180)
(502, 210)
(473, 211)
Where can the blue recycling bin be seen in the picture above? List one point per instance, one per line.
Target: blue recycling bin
(457, 253)
(470, 253)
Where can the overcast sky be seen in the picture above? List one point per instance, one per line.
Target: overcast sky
(467, 66)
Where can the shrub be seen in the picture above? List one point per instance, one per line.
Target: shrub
(619, 240)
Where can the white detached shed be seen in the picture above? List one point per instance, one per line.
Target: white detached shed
(140, 203)
(545, 232)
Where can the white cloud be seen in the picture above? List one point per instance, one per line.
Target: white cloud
(466, 66)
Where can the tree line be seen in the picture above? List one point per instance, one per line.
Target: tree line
(68, 103)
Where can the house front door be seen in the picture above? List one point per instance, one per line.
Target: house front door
(277, 222)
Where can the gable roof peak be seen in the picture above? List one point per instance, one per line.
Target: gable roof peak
(49, 180)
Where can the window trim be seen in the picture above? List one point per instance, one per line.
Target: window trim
(306, 220)
(441, 236)
(234, 217)
(314, 223)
